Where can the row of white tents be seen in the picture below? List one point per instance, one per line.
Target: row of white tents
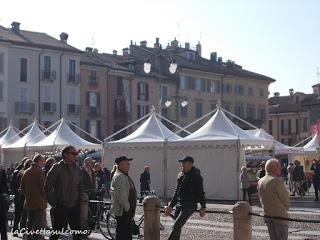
(218, 148)
(14, 147)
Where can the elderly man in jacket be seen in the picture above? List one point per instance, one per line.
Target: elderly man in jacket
(274, 199)
(32, 187)
(64, 189)
(123, 198)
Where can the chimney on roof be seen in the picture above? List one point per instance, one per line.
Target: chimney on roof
(157, 44)
(175, 43)
(198, 49)
(276, 94)
(220, 60)
(187, 45)
(291, 91)
(143, 43)
(15, 26)
(95, 51)
(213, 56)
(131, 42)
(64, 37)
(114, 52)
(89, 49)
(125, 51)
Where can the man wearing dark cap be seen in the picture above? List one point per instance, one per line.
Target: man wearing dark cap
(123, 198)
(188, 193)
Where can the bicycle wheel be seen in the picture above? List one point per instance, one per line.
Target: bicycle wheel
(111, 225)
(103, 224)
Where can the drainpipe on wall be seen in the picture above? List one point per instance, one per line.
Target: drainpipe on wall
(39, 86)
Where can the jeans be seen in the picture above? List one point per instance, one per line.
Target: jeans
(35, 221)
(246, 191)
(277, 231)
(63, 215)
(181, 216)
(124, 226)
(19, 217)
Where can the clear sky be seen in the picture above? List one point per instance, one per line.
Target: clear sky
(277, 38)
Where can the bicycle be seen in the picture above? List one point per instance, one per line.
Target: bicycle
(137, 224)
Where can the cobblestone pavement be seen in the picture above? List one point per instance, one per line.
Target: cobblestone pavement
(219, 226)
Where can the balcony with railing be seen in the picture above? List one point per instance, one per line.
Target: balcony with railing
(73, 109)
(73, 78)
(93, 81)
(48, 107)
(48, 75)
(24, 107)
(93, 111)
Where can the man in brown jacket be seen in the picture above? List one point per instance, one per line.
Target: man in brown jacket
(32, 186)
(275, 201)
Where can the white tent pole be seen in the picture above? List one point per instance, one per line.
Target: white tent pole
(176, 125)
(238, 168)
(194, 122)
(165, 166)
(72, 124)
(114, 134)
(239, 119)
(304, 140)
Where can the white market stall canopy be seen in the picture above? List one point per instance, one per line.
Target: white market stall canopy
(152, 130)
(313, 145)
(9, 137)
(220, 127)
(279, 148)
(62, 136)
(33, 136)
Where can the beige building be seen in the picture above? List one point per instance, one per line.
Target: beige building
(197, 85)
(39, 78)
(289, 119)
(105, 94)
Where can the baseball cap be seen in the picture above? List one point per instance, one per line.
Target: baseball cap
(122, 158)
(186, 159)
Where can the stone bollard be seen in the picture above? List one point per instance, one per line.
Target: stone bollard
(151, 209)
(242, 227)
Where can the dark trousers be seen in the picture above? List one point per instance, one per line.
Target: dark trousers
(62, 216)
(316, 186)
(35, 221)
(245, 192)
(3, 225)
(181, 216)
(124, 227)
(19, 217)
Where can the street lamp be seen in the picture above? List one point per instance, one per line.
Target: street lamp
(184, 103)
(172, 69)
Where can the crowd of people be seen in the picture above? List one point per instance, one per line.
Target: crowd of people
(63, 184)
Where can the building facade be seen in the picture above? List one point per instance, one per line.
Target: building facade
(289, 119)
(39, 78)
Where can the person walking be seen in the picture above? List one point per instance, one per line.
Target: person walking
(284, 173)
(274, 200)
(188, 192)
(245, 184)
(297, 178)
(123, 198)
(316, 178)
(4, 204)
(290, 171)
(144, 182)
(49, 163)
(64, 189)
(32, 187)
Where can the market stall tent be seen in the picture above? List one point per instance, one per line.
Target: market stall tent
(218, 148)
(147, 146)
(9, 137)
(60, 137)
(11, 153)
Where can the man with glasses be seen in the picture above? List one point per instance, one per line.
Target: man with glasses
(64, 189)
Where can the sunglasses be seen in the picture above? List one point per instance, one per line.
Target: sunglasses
(73, 153)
